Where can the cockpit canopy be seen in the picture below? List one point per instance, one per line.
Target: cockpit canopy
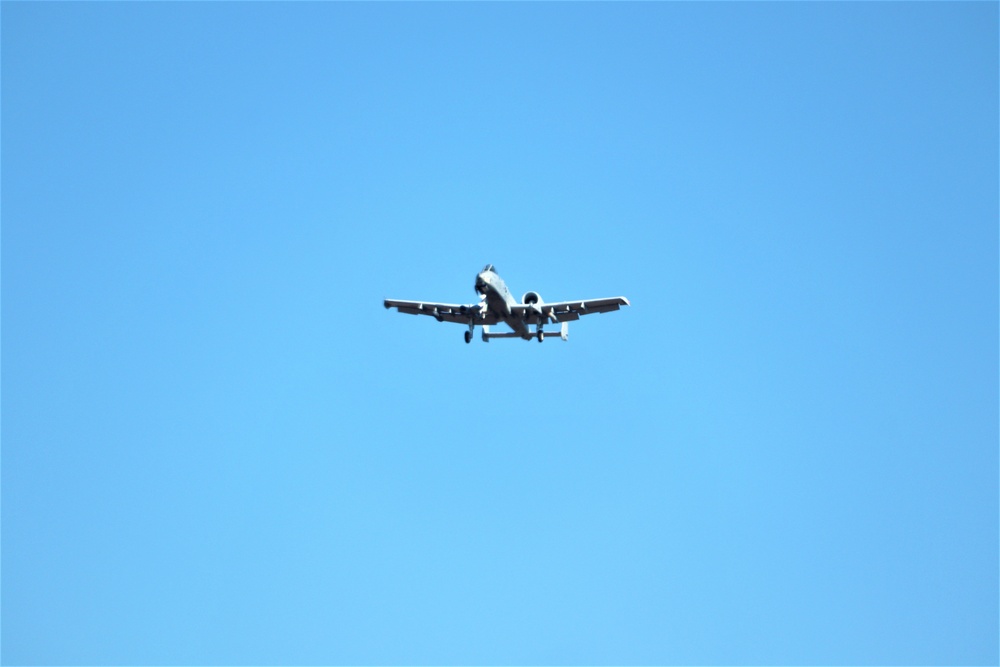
(488, 267)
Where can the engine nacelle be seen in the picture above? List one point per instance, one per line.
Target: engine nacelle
(532, 298)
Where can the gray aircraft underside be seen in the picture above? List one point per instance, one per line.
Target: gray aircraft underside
(497, 304)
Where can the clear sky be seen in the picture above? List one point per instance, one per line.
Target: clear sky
(219, 448)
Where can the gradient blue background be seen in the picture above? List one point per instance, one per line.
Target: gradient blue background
(218, 447)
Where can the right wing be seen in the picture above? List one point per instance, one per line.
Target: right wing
(445, 312)
(567, 311)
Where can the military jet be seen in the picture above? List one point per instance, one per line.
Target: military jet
(497, 304)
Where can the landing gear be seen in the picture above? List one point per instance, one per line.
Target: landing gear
(541, 335)
(468, 336)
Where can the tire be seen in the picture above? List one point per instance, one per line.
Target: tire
(468, 336)
(541, 336)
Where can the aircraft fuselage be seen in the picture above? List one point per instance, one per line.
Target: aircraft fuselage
(500, 301)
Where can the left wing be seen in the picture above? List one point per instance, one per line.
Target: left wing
(567, 311)
(445, 312)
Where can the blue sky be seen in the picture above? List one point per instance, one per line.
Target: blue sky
(219, 448)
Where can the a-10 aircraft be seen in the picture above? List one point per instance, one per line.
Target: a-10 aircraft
(497, 304)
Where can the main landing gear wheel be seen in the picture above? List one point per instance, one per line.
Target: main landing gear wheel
(541, 336)
(468, 336)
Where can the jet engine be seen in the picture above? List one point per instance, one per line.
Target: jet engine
(532, 298)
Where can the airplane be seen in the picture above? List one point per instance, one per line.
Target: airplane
(497, 304)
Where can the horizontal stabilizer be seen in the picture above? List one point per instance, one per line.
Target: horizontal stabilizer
(509, 334)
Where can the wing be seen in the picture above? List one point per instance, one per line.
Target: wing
(567, 311)
(445, 312)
